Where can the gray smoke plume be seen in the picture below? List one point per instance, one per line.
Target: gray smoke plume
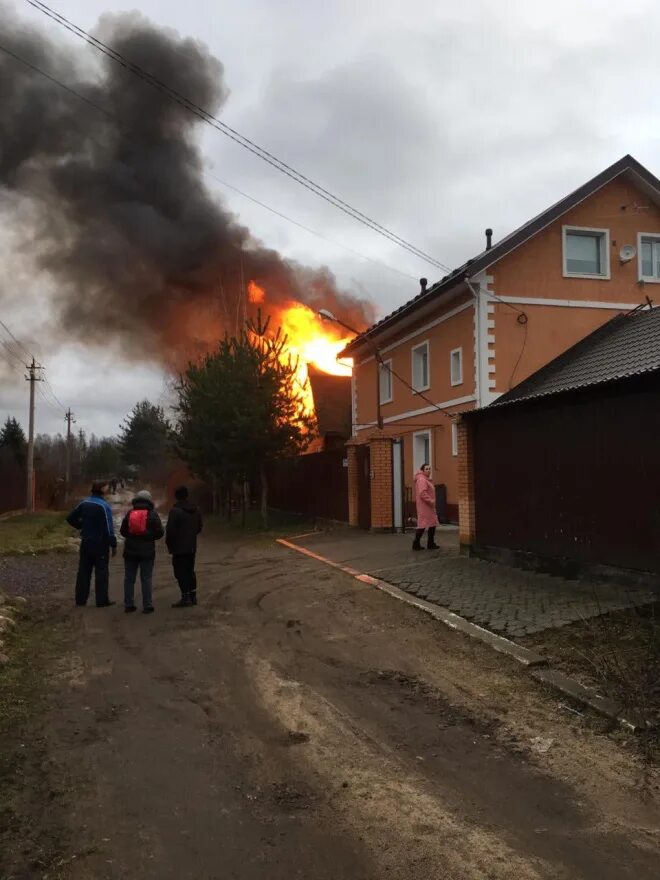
(121, 217)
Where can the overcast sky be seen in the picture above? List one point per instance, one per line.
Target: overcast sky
(435, 119)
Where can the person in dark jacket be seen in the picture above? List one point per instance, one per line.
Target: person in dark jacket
(184, 523)
(141, 528)
(93, 519)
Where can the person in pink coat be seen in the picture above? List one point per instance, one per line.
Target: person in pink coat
(427, 517)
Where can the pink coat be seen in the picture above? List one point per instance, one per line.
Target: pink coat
(425, 502)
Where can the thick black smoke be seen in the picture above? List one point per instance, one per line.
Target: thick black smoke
(122, 219)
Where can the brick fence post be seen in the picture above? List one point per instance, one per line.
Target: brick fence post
(381, 482)
(353, 484)
(466, 501)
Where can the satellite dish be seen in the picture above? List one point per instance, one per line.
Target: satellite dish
(627, 253)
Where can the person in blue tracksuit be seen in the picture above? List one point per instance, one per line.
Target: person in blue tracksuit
(93, 519)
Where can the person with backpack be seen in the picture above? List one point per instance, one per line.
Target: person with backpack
(93, 519)
(184, 523)
(141, 528)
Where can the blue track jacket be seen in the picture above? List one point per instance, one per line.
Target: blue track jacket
(93, 518)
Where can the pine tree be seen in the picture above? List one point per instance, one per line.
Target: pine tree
(12, 438)
(242, 406)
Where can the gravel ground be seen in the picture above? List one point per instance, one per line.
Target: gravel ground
(37, 575)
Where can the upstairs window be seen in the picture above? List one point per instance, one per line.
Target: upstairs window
(649, 257)
(456, 366)
(385, 381)
(586, 252)
(420, 367)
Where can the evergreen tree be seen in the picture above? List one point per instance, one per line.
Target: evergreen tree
(240, 407)
(145, 440)
(12, 438)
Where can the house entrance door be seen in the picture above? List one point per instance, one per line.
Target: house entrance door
(364, 487)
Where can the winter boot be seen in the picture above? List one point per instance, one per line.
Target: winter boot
(418, 537)
(184, 601)
(193, 597)
(430, 544)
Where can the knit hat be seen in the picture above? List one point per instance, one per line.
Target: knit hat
(144, 494)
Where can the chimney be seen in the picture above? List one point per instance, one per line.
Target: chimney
(489, 239)
(422, 283)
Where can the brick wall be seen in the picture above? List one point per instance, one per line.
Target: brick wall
(381, 482)
(353, 484)
(466, 504)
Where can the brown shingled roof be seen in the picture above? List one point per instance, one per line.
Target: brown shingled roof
(626, 165)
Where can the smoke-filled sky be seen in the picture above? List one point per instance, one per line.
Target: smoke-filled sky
(435, 120)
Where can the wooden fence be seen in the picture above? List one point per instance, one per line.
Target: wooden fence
(313, 485)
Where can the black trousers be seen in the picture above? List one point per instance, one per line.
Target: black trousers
(420, 532)
(93, 558)
(184, 571)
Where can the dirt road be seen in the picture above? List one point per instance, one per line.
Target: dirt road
(300, 724)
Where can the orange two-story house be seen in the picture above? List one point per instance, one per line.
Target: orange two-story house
(488, 325)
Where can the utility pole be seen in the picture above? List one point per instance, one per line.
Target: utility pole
(32, 377)
(69, 419)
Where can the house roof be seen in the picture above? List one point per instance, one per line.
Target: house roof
(627, 165)
(332, 402)
(626, 346)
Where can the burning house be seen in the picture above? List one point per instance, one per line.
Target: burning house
(108, 195)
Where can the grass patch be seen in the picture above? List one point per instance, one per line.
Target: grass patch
(34, 533)
(30, 838)
(280, 522)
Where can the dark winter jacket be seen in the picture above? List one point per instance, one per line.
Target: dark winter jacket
(142, 546)
(183, 525)
(93, 518)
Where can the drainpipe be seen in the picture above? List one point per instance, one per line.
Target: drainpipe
(478, 353)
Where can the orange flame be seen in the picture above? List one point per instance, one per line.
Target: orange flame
(256, 294)
(312, 343)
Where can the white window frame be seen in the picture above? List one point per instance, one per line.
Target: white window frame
(388, 366)
(654, 236)
(605, 251)
(454, 439)
(459, 352)
(417, 465)
(415, 348)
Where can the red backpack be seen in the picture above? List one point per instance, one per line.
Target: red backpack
(137, 522)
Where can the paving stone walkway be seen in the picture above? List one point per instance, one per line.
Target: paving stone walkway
(508, 600)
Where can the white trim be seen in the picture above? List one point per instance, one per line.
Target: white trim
(454, 439)
(388, 364)
(459, 352)
(491, 368)
(457, 401)
(409, 318)
(420, 330)
(484, 342)
(570, 303)
(425, 344)
(645, 278)
(427, 432)
(492, 384)
(605, 252)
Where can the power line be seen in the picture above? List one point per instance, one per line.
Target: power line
(210, 174)
(308, 229)
(12, 353)
(236, 136)
(17, 341)
(57, 400)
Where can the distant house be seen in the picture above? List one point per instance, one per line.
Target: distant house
(564, 470)
(470, 338)
(332, 402)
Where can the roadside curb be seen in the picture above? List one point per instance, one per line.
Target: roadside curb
(538, 664)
